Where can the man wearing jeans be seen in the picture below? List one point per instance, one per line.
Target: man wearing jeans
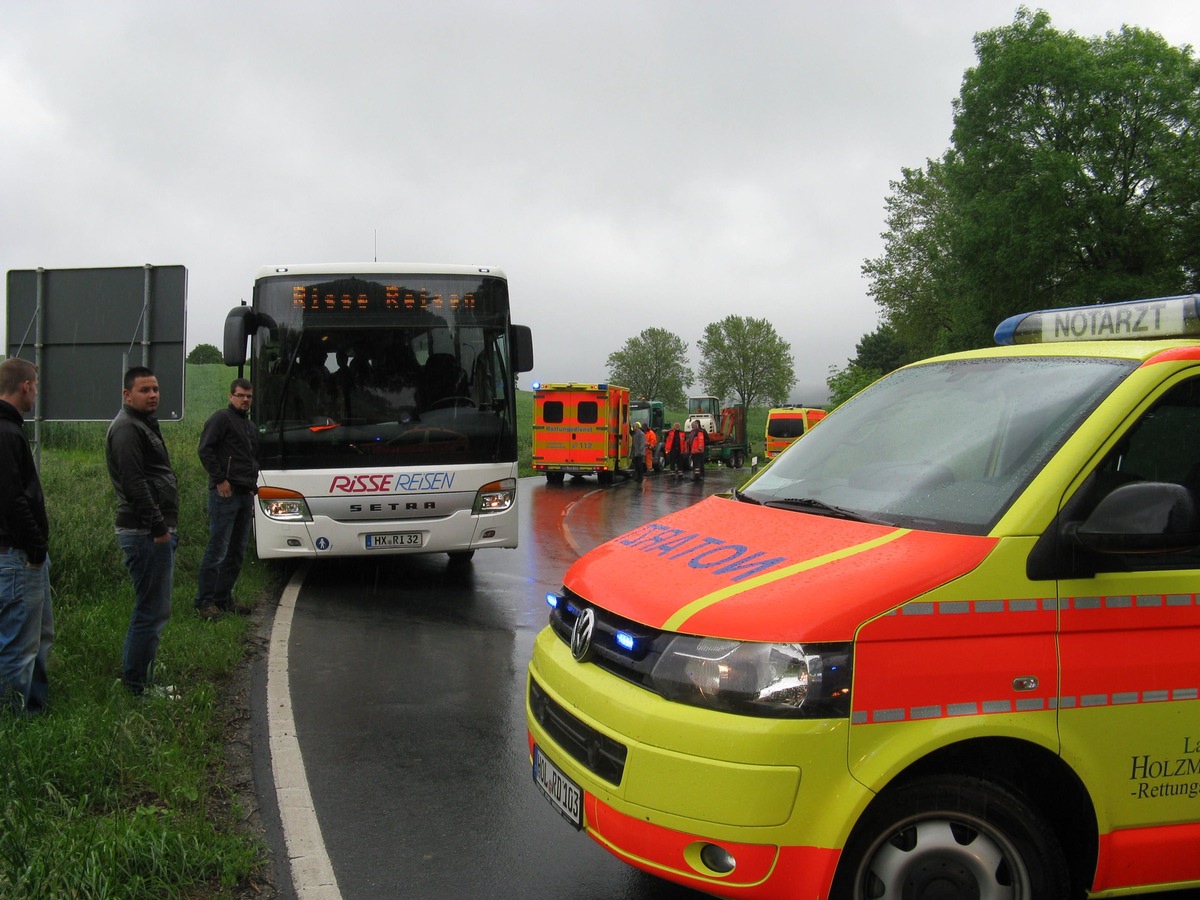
(26, 616)
(228, 451)
(147, 514)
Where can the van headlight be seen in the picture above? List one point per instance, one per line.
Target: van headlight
(757, 679)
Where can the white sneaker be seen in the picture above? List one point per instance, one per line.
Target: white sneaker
(161, 691)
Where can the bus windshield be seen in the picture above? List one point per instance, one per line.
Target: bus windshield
(354, 370)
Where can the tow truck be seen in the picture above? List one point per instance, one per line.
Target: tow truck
(726, 428)
(652, 415)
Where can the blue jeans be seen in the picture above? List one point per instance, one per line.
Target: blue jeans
(229, 521)
(26, 632)
(151, 565)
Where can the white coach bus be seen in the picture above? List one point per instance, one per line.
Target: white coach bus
(385, 400)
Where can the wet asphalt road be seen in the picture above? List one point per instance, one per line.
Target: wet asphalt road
(407, 681)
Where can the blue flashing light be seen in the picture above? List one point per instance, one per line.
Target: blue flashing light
(1161, 317)
(552, 599)
(625, 640)
(537, 385)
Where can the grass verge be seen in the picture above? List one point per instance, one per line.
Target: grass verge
(109, 796)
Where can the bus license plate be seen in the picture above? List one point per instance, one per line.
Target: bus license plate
(393, 539)
(563, 794)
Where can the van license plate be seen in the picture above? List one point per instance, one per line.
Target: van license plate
(563, 794)
(393, 539)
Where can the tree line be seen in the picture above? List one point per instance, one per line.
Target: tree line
(1072, 178)
(740, 358)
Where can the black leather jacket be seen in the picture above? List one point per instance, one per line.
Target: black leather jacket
(23, 522)
(228, 450)
(141, 473)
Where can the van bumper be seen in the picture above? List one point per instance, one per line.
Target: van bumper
(774, 795)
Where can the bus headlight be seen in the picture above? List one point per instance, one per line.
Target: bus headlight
(758, 679)
(496, 496)
(283, 505)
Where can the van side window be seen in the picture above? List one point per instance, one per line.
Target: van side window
(552, 412)
(589, 412)
(1163, 446)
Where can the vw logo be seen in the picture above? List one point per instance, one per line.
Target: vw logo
(581, 635)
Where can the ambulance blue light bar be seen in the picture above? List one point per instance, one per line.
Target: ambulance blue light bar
(1163, 317)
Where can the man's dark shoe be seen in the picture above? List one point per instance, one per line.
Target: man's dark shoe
(208, 612)
(238, 609)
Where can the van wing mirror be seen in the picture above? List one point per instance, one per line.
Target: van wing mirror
(1143, 517)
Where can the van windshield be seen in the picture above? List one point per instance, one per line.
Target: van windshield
(944, 446)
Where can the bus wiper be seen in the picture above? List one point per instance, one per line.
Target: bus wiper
(820, 507)
(743, 497)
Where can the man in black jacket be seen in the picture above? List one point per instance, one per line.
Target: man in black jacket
(147, 515)
(229, 453)
(26, 616)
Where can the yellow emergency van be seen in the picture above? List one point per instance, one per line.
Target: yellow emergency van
(581, 429)
(786, 423)
(948, 645)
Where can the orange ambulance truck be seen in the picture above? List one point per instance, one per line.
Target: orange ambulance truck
(945, 646)
(580, 429)
(786, 423)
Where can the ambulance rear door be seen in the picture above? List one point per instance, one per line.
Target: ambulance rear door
(570, 430)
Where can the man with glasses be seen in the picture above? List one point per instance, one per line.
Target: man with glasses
(229, 453)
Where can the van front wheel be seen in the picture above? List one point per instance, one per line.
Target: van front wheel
(953, 836)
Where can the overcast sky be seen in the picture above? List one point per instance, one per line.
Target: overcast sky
(626, 164)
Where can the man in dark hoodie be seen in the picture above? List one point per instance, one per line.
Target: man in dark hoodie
(228, 451)
(26, 616)
(147, 515)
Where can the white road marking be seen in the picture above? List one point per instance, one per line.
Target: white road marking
(312, 872)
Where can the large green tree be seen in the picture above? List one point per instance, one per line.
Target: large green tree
(653, 365)
(914, 281)
(746, 359)
(1073, 178)
(876, 354)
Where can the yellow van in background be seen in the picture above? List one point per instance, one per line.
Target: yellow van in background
(786, 423)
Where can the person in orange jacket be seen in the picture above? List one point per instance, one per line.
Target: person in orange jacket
(697, 445)
(673, 449)
(651, 443)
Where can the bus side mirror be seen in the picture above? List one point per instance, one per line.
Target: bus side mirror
(239, 325)
(522, 348)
